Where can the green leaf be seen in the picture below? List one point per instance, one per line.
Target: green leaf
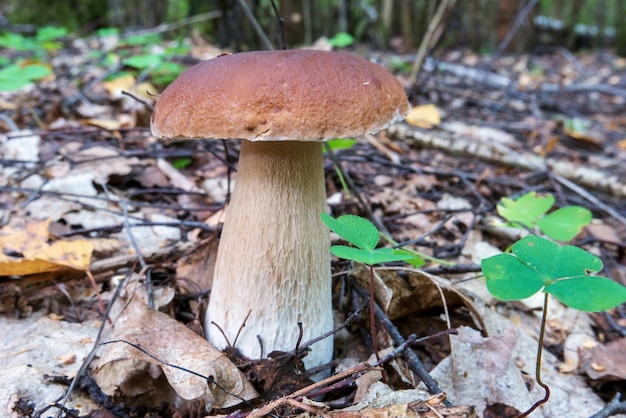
(180, 163)
(565, 223)
(167, 72)
(104, 32)
(35, 72)
(552, 261)
(142, 40)
(526, 209)
(16, 76)
(356, 230)
(12, 84)
(382, 255)
(341, 40)
(142, 62)
(50, 33)
(508, 278)
(341, 143)
(588, 293)
(411, 258)
(18, 42)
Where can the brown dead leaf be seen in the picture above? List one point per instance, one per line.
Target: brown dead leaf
(194, 271)
(170, 342)
(606, 361)
(415, 403)
(26, 250)
(414, 291)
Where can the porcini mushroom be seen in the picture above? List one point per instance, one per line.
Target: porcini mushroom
(273, 261)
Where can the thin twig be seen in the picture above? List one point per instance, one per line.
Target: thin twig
(415, 364)
(519, 19)
(616, 406)
(281, 25)
(96, 345)
(430, 38)
(138, 253)
(255, 24)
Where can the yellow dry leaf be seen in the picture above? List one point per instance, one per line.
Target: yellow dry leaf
(119, 84)
(107, 124)
(425, 116)
(26, 250)
(145, 91)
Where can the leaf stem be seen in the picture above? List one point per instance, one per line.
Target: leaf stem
(542, 332)
(373, 322)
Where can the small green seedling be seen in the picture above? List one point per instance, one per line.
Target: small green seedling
(15, 76)
(364, 237)
(536, 264)
(531, 210)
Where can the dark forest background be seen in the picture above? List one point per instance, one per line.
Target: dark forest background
(380, 24)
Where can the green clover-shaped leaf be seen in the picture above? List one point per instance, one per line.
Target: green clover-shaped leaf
(588, 293)
(565, 223)
(356, 230)
(526, 209)
(364, 235)
(562, 271)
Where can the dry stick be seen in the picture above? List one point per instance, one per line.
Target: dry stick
(519, 19)
(430, 38)
(545, 387)
(500, 154)
(350, 373)
(281, 25)
(168, 27)
(255, 24)
(616, 406)
(415, 364)
(142, 261)
(590, 197)
(92, 353)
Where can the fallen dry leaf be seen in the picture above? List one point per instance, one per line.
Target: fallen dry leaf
(425, 116)
(606, 361)
(170, 342)
(483, 372)
(415, 291)
(26, 250)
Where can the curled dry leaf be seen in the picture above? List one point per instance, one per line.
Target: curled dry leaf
(403, 291)
(171, 342)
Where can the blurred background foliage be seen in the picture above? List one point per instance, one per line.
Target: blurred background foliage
(381, 24)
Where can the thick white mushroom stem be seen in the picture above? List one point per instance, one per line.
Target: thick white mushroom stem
(273, 260)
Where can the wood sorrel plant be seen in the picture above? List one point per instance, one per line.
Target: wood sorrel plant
(530, 211)
(534, 264)
(364, 237)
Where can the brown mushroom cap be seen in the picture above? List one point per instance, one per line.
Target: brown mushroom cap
(280, 95)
